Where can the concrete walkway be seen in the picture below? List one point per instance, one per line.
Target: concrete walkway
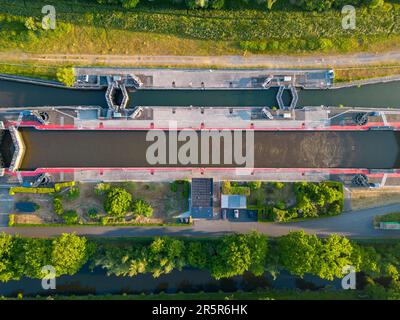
(275, 61)
(6, 206)
(354, 224)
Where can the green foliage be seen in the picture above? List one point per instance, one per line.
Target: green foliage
(57, 204)
(73, 193)
(93, 213)
(186, 189)
(6, 262)
(228, 188)
(254, 185)
(127, 4)
(301, 253)
(66, 76)
(118, 202)
(196, 255)
(70, 217)
(26, 257)
(102, 188)
(31, 24)
(11, 220)
(238, 253)
(141, 208)
(159, 257)
(173, 186)
(69, 253)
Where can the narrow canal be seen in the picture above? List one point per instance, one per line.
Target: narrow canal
(17, 94)
(187, 281)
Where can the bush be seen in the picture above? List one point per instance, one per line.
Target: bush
(141, 208)
(255, 185)
(227, 188)
(57, 204)
(70, 217)
(118, 202)
(102, 188)
(186, 189)
(93, 213)
(11, 220)
(73, 193)
(66, 76)
(173, 186)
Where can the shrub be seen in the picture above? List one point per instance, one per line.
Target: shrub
(66, 76)
(255, 185)
(227, 188)
(118, 202)
(186, 189)
(73, 193)
(93, 213)
(102, 188)
(142, 208)
(70, 217)
(11, 220)
(57, 204)
(173, 186)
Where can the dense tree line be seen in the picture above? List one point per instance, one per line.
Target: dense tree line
(309, 5)
(231, 255)
(26, 257)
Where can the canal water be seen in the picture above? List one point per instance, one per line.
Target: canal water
(271, 149)
(18, 94)
(187, 281)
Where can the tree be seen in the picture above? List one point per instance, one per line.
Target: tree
(117, 203)
(6, 263)
(297, 252)
(165, 254)
(301, 253)
(69, 253)
(233, 257)
(31, 256)
(332, 255)
(258, 245)
(196, 255)
(142, 208)
(66, 76)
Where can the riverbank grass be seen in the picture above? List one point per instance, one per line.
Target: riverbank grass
(160, 29)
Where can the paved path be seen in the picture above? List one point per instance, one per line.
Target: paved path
(355, 224)
(6, 206)
(275, 61)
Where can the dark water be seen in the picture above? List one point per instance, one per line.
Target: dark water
(272, 149)
(187, 280)
(380, 95)
(17, 94)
